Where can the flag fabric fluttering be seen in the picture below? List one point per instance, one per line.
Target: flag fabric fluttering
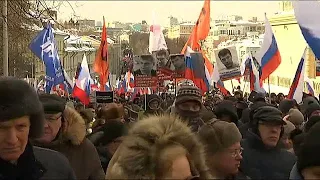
(255, 76)
(156, 37)
(129, 79)
(296, 89)
(269, 56)
(82, 87)
(201, 29)
(101, 63)
(309, 85)
(195, 70)
(44, 47)
(305, 13)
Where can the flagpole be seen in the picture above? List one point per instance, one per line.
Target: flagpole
(269, 89)
(5, 38)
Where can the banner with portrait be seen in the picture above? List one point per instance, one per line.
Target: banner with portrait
(145, 71)
(228, 63)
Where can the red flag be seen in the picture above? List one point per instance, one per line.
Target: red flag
(200, 30)
(101, 63)
(203, 23)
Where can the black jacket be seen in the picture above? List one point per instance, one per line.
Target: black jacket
(261, 163)
(37, 163)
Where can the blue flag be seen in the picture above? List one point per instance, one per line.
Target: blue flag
(44, 47)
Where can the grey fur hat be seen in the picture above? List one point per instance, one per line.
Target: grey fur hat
(18, 99)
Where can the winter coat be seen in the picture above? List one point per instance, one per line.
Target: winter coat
(105, 157)
(261, 163)
(294, 174)
(136, 156)
(81, 153)
(37, 163)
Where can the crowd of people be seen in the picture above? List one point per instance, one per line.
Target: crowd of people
(184, 136)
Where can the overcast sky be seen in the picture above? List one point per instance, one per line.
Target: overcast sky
(136, 11)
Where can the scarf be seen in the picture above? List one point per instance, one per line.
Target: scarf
(27, 167)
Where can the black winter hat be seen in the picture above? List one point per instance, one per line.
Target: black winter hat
(52, 103)
(312, 121)
(309, 155)
(268, 114)
(112, 129)
(286, 105)
(19, 99)
(226, 107)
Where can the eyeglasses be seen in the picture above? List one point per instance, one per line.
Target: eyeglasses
(53, 118)
(236, 152)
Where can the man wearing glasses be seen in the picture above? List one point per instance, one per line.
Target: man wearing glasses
(21, 119)
(223, 150)
(262, 156)
(65, 131)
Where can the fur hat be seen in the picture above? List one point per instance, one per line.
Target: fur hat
(308, 155)
(288, 128)
(218, 135)
(188, 93)
(112, 111)
(295, 116)
(137, 156)
(19, 99)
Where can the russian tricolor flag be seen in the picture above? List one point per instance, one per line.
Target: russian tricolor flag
(309, 84)
(129, 79)
(82, 88)
(307, 14)
(196, 70)
(269, 56)
(296, 89)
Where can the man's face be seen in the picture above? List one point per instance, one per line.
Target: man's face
(228, 160)
(192, 106)
(154, 104)
(14, 138)
(270, 133)
(146, 67)
(52, 126)
(227, 60)
(178, 62)
(162, 60)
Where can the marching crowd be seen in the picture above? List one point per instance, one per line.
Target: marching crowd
(187, 136)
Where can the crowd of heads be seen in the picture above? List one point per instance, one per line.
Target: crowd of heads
(184, 136)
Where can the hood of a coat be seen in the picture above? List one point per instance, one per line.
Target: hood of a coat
(136, 157)
(75, 129)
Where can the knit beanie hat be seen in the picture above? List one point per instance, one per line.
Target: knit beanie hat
(295, 116)
(308, 155)
(18, 99)
(112, 129)
(52, 103)
(218, 135)
(188, 93)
